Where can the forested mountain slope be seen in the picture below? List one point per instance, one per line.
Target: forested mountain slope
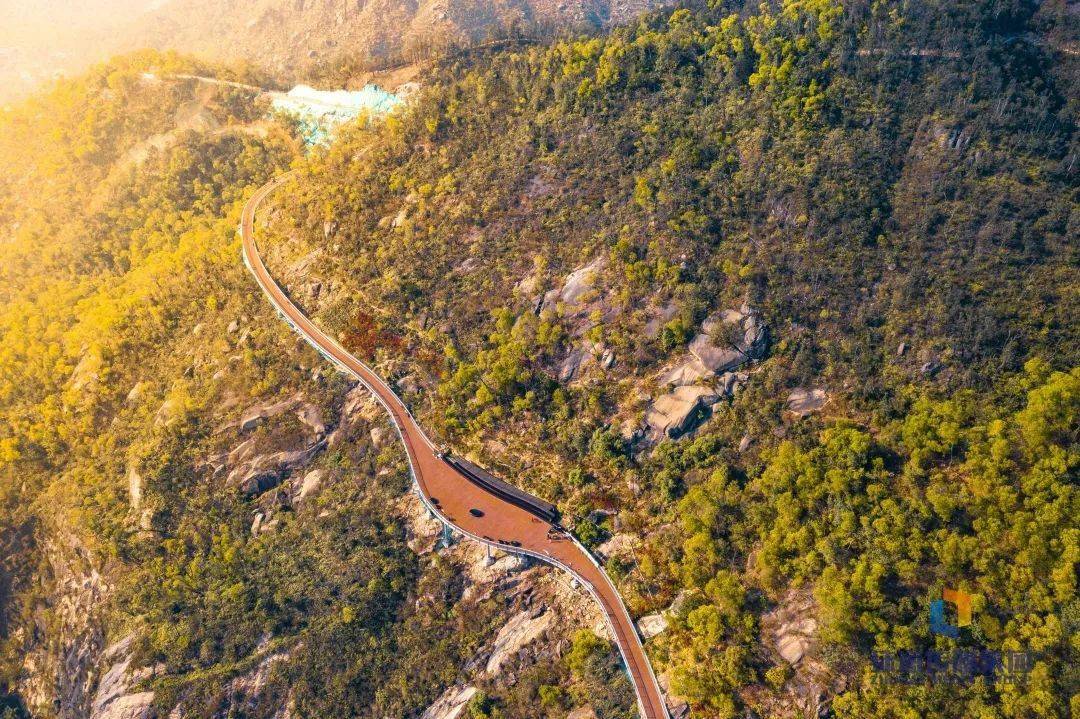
(196, 514)
(557, 250)
(776, 302)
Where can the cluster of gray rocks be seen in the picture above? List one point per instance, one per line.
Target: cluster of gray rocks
(707, 374)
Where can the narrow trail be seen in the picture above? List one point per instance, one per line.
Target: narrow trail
(509, 521)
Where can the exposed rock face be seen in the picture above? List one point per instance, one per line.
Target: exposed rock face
(679, 411)
(727, 340)
(755, 334)
(620, 545)
(486, 576)
(244, 695)
(359, 405)
(716, 347)
(577, 284)
(802, 402)
(114, 698)
(252, 416)
(730, 381)
(651, 625)
(792, 626)
(421, 529)
(86, 373)
(312, 417)
(588, 354)
(659, 316)
(585, 712)
(516, 634)
(677, 706)
(253, 464)
(136, 392)
(265, 472)
(309, 485)
(59, 671)
(570, 366)
(691, 371)
(167, 413)
(245, 691)
(135, 489)
(714, 358)
(451, 705)
(632, 431)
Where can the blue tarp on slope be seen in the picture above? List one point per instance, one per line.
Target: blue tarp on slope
(320, 112)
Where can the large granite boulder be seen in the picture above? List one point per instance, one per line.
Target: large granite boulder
(651, 625)
(730, 338)
(522, 629)
(253, 416)
(792, 626)
(715, 358)
(802, 402)
(114, 698)
(577, 284)
(451, 704)
(264, 472)
(690, 371)
(679, 411)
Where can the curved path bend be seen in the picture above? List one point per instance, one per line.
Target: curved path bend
(460, 502)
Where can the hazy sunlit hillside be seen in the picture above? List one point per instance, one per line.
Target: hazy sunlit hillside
(765, 313)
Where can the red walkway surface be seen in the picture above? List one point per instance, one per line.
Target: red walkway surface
(463, 504)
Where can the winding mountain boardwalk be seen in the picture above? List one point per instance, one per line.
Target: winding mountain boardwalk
(477, 509)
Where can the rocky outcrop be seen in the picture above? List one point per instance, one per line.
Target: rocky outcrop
(727, 340)
(169, 411)
(588, 354)
(86, 372)
(253, 416)
(792, 627)
(690, 371)
(244, 695)
(265, 472)
(679, 411)
(652, 624)
(515, 635)
(359, 405)
(59, 671)
(451, 704)
(730, 339)
(620, 545)
(422, 530)
(245, 691)
(311, 417)
(802, 402)
(136, 392)
(263, 460)
(135, 489)
(658, 316)
(309, 485)
(488, 574)
(755, 340)
(571, 365)
(678, 707)
(578, 283)
(713, 357)
(114, 698)
(580, 301)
